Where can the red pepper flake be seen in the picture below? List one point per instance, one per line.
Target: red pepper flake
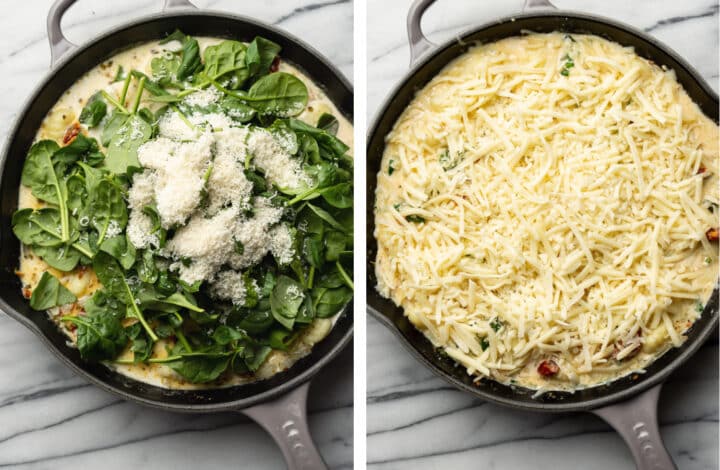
(548, 368)
(712, 234)
(701, 170)
(71, 133)
(275, 66)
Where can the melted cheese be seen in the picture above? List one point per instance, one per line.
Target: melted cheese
(545, 203)
(83, 282)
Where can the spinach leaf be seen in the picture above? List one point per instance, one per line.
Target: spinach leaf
(331, 148)
(260, 55)
(224, 335)
(85, 149)
(256, 322)
(99, 337)
(112, 125)
(39, 229)
(113, 279)
(50, 293)
(286, 138)
(176, 35)
(121, 249)
(141, 346)
(281, 339)
(340, 195)
(107, 208)
(254, 357)
(328, 123)
(225, 63)
(94, 111)
(285, 301)
(164, 69)
(146, 269)
(328, 302)
(189, 59)
(334, 245)
(45, 182)
(327, 217)
(237, 109)
(123, 146)
(278, 94)
(200, 368)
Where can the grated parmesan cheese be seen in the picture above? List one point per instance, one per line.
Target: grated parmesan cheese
(278, 166)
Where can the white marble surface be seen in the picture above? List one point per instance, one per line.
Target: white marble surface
(50, 419)
(417, 421)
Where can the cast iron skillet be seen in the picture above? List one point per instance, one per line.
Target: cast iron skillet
(628, 404)
(278, 404)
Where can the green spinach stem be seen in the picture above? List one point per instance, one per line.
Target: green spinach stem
(114, 102)
(126, 85)
(138, 96)
(345, 276)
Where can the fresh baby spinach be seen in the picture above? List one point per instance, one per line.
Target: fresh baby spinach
(50, 293)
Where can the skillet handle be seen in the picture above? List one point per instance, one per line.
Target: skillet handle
(285, 419)
(636, 421)
(533, 4)
(59, 44)
(419, 44)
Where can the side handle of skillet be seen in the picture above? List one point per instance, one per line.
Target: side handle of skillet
(419, 43)
(59, 44)
(636, 421)
(285, 419)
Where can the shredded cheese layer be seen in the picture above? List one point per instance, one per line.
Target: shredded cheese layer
(545, 200)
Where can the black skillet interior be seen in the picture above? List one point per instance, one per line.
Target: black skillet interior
(392, 316)
(11, 300)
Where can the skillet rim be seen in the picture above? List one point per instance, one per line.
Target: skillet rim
(601, 398)
(346, 315)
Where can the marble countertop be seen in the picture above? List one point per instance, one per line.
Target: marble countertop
(51, 419)
(417, 421)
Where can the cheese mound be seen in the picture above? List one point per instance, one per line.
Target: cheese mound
(547, 197)
(195, 179)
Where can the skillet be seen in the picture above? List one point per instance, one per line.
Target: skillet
(277, 404)
(628, 404)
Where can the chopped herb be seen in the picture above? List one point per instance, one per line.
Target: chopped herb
(484, 343)
(239, 247)
(414, 218)
(699, 307)
(391, 168)
(447, 161)
(569, 63)
(708, 260)
(496, 324)
(119, 75)
(397, 206)
(567, 36)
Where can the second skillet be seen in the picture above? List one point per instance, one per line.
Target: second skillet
(629, 404)
(279, 403)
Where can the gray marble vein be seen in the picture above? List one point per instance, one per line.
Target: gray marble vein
(417, 421)
(51, 419)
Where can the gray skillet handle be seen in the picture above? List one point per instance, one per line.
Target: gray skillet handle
(636, 421)
(59, 44)
(285, 419)
(419, 43)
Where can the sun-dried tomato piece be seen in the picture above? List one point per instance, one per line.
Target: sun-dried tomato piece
(548, 368)
(71, 133)
(712, 234)
(275, 66)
